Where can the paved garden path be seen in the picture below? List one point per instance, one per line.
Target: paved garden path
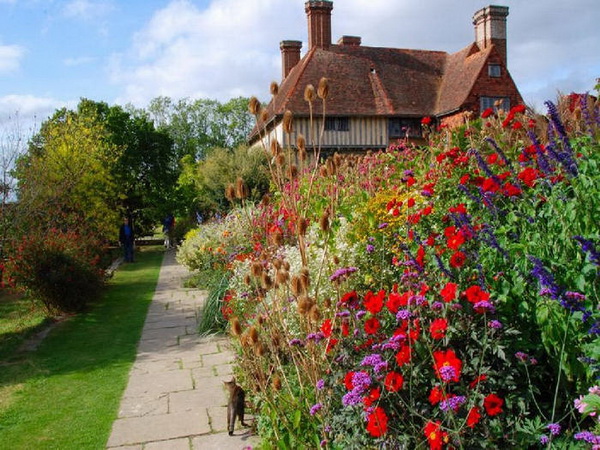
(175, 398)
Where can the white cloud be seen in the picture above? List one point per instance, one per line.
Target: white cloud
(10, 57)
(79, 61)
(87, 9)
(30, 109)
(231, 47)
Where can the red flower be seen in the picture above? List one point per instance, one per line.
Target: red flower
(528, 176)
(473, 417)
(411, 202)
(426, 120)
(395, 301)
(372, 397)
(377, 424)
(490, 185)
(458, 259)
(409, 182)
(461, 208)
(374, 302)
(345, 329)
(517, 125)
(348, 381)
(436, 395)
(475, 294)
(438, 328)
(465, 179)
(455, 241)
(349, 297)
(447, 366)
(435, 436)
(393, 381)
(478, 380)
(372, 325)
(403, 356)
(326, 328)
(510, 190)
(517, 109)
(493, 404)
(332, 343)
(448, 293)
(487, 112)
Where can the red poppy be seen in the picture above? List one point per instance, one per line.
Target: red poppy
(332, 343)
(426, 120)
(493, 158)
(372, 325)
(464, 179)
(490, 185)
(372, 396)
(448, 293)
(447, 366)
(473, 417)
(377, 424)
(374, 302)
(455, 241)
(409, 182)
(349, 297)
(427, 210)
(436, 395)
(517, 125)
(461, 208)
(348, 381)
(411, 202)
(528, 176)
(487, 112)
(517, 109)
(510, 190)
(393, 381)
(478, 380)
(475, 294)
(395, 301)
(458, 259)
(420, 256)
(403, 356)
(345, 329)
(326, 328)
(438, 328)
(435, 436)
(493, 404)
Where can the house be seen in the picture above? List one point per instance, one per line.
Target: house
(378, 95)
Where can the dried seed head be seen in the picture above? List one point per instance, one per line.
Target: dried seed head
(315, 314)
(241, 190)
(256, 269)
(304, 305)
(264, 115)
(274, 88)
(266, 199)
(247, 280)
(282, 277)
(246, 341)
(259, 349)
(266, 281)
(292, 172)
(323, 171)
(276, 383)
(331, 169)
(337, 160)
(261, 320)
(275, 147)
(336, 260)
(302, 155)
(277, 237)
(286, 266)
(230, 192)
(280, 160)
(277, 263)
(323, 90)
(236, 327)
(296, 286)
(254, 106)
(309, 93)
(327, 303)
(253, 334)
(302, 226)
(301, 142)
(288, 119)
(275, 340)
(324, 222)
(305, 279)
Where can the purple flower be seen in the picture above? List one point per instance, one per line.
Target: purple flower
(317, 337)
(360, 314)
(588, 437)
(484, 307)
(575, 295)
(544, 439)
(370, 248)
(352, 398)
(495, 324)
(316, 408)
(452, 403)
(296, 342)
(447, 373)
(403, 314)
(372, 360)
(361, 381)
(545, 278)
(522, 356)
(343, 314)
(554, 429)
(436, 306)
(321, 384)
(383, 225)
(323, 443)
(343, 272)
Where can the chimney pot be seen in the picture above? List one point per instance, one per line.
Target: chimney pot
(490, 28)
(349, 40)
(318, 14)
(290, 56)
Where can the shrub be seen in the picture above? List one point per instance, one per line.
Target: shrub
(58, 268)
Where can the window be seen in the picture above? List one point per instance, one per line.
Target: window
(401, 128)
(494, 70)
(337, 124)
(495, 102)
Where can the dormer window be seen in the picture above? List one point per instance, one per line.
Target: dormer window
(494, 70)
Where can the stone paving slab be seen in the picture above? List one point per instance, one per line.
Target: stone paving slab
(175, 398)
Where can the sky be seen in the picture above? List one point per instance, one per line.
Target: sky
(54, 52)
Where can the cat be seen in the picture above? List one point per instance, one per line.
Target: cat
(236, 405)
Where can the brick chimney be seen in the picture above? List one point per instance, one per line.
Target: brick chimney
(349, 40)
(490, 28)
(290, 56)
(319, 23)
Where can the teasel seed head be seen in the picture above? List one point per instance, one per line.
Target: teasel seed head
(301, 142)
(261, 320)
(256, 269)
(296, 286)
(254, 106)
(230, 192)
(324, 222)
(288, 119)
(280, 159)
(236, 327)
(264, 115)
(247, 279)
(245, 341)
(302, 226)
(286, 265)
(277, 263)
(266, 281)
(302, 155)
(309, 93)
(275, 147)
(292, 172)
(304, 305)
(305, 279)
(315, 314)
(266, 199)
(331, 169)
(277, 238)
(323, 171)
(323, 90)
(253, 334)
(337, 160)
(241, 190)
(259, 349)
(336, 260)
(276, 340)
(283, 277)
(274, 88)
(276, 383)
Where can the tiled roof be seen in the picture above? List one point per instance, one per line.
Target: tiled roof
(375, 81)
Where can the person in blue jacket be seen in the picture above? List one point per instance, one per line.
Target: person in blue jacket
(127, 238)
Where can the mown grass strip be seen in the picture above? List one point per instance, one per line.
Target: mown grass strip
(66, 394)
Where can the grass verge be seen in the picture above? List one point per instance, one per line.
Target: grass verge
(65, 395)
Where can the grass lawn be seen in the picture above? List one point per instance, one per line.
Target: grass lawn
(66, 394)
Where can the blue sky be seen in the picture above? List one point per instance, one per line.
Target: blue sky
(53, 52)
